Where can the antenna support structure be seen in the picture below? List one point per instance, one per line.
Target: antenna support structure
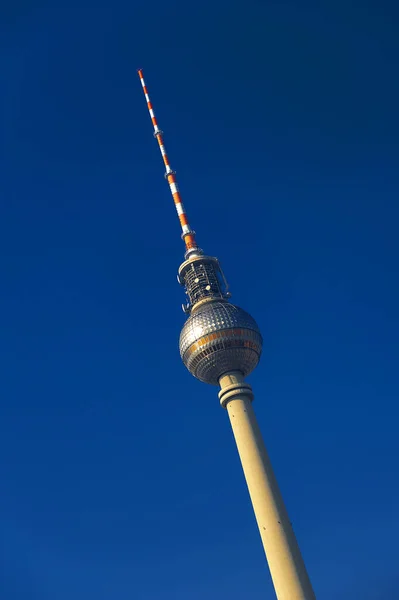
(220, 344)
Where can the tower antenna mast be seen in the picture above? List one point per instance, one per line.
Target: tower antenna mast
(188, 234)
(221, 344)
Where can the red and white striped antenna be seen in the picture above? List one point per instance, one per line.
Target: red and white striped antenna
(188, 234)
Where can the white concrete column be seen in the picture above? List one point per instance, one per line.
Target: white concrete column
(288, 571)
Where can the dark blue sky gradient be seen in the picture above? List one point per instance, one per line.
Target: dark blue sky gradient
(119, 478)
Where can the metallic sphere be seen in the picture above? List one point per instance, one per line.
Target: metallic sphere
(219, 337)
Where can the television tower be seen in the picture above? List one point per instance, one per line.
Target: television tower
(221, 344)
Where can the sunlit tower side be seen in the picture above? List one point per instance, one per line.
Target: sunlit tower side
(221, 344)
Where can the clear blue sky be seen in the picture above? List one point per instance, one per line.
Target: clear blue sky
(119, 478)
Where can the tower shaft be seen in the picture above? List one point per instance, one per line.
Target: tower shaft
(287, 568)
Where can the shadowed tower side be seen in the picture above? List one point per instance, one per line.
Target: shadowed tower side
(221, 344)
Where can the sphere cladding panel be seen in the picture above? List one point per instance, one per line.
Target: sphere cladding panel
(217, 338)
